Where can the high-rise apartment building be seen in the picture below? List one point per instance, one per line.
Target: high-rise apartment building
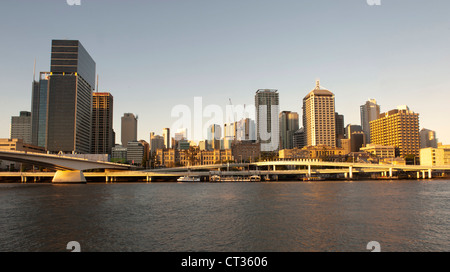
(21, 127)
(128, 128)
(288, 126)
(69, 108)
(102, 123)
(398, 128)
(428, 138)
(369, 111)
(319, 117)
(267, 119)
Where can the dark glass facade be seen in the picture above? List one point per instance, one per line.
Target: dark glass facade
(70, 89)
(34, 113)
(39, 110)
(70, 56)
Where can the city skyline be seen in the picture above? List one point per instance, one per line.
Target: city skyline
(358, 57)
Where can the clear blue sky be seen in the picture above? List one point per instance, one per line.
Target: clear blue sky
(153, 55)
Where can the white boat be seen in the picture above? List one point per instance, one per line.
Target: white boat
(188, 178)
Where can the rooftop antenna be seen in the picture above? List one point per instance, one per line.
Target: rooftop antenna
(34, 70)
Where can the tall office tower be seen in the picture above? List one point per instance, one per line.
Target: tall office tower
(21, 127)
(369, 111)
(128, 128)
(214, 136)
(427, 138)
(39, 110)
(69, 108)
(299, 138)
(156, 142)
(102, 123)
(288, 126)
(267, 119)
(398, 128)
(319, 117)
(246, 130)
(214, 132)
(166, 136)
(340, 129)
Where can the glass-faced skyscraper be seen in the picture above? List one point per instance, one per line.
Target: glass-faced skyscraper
(70, 86)
(288, 126)
(369, 111)
(39, 110)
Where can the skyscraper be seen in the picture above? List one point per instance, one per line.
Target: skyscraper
(288, 126)
(102, 123)
(69, 108)
(21, 127)
(39, 110)
(166, 136)
(369, 111)
(340, 130)
(246, 130)
(428, 138)
(319, 117)
(267, 119)
(398, 128)
(156, 142)
(128, 128)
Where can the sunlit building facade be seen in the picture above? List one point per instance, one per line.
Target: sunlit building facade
(398, 128)
(319, 117)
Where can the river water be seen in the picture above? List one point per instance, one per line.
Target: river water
(227, 217)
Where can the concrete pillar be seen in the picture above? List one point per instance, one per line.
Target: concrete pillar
(390, 172)
(309, 170)
(418, 175)
(423, 174)
(429, 174)
(345, 175)
(107, 179)
(350, 172)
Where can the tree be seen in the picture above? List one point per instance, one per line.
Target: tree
(191, 155)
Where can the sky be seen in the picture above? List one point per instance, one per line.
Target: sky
(156, 54)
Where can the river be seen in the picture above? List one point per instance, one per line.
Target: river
(226, 217)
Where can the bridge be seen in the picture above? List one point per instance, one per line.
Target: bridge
(313, 166)
(68, 168)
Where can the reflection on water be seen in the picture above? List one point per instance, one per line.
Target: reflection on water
(226, 217)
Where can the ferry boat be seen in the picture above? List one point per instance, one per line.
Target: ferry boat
(313, 178)
(188, 179)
